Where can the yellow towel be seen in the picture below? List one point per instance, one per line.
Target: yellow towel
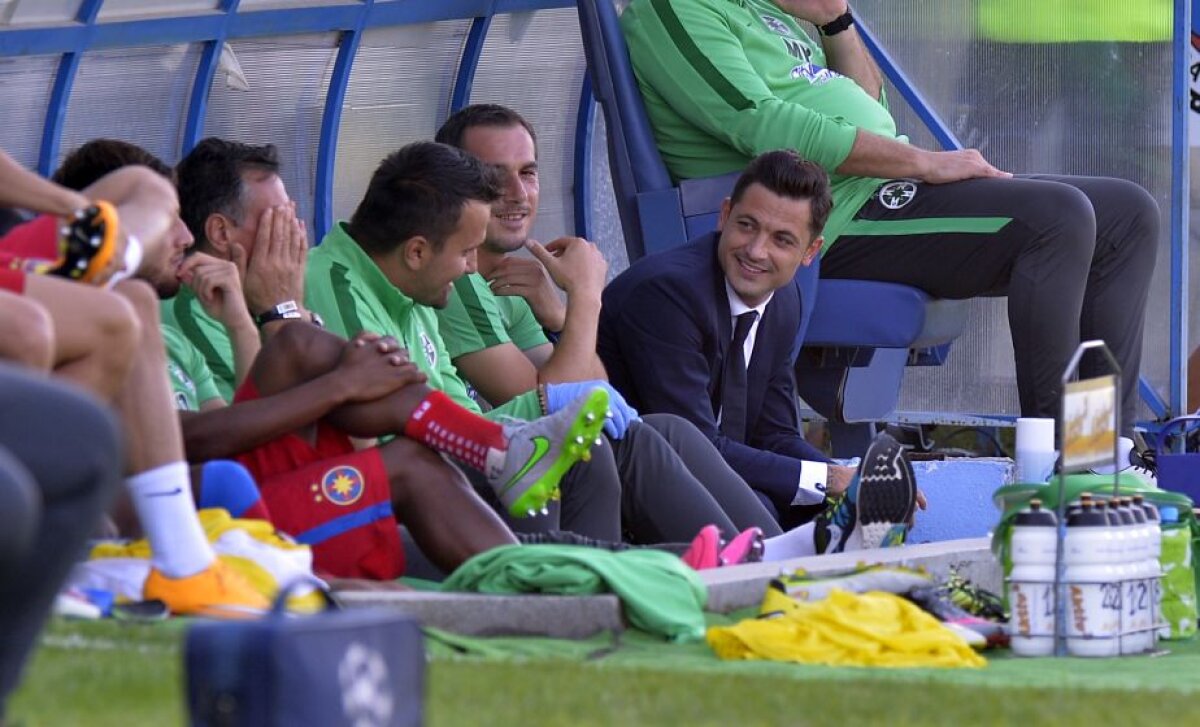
(262, 555)
(845, 629)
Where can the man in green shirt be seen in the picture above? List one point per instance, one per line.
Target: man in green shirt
(494, 326)
(417, 230)
(237, 209)
(724, 81)
(308, 391)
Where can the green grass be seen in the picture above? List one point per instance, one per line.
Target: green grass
(99, 674)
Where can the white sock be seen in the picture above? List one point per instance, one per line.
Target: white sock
(795, 543)
(163, 500)
(798, 543)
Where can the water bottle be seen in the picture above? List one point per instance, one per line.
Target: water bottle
(1139, 592)
(1091, 584)
(1153, 564)
(1031, 583)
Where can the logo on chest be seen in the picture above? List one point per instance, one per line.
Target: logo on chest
(430, 349)
(775, 25)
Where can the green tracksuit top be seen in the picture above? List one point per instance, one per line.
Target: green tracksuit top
(727, 80)
(192, 381)
(352, 294)
(185, 313)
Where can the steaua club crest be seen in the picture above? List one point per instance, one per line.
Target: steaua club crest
(343, 485)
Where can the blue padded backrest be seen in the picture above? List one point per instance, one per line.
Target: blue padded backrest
(636, 167)
(650, 205)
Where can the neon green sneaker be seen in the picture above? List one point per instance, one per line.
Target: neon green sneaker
(541, 451)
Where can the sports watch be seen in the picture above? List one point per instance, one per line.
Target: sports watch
(287, 310)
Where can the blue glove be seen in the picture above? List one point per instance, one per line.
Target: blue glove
(560, 395)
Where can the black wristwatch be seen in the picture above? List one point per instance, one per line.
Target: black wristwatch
(287, 310)
(838, 24)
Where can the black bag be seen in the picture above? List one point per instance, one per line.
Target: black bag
(360, 668)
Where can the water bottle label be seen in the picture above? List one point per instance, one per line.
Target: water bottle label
(1138, 606)
(1095, 609)
(1033, 609)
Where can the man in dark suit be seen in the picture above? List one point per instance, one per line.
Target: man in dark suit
(706, 331)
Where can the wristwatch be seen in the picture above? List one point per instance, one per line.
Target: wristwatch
(838, 24)
(287, 310)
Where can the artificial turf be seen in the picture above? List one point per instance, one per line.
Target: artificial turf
(99, 674)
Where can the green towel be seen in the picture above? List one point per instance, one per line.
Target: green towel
(659, 593)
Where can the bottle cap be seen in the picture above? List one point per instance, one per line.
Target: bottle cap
(1088, 516)
(1035, 515)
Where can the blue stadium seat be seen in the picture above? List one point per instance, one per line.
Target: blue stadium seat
(857, 336)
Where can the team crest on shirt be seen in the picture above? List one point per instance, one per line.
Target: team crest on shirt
(343, 485)
(775, 25)
(182, 379)
(814, 74)
(429, 348)
(895, 195)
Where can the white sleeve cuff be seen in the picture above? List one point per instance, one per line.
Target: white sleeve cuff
(814, 477)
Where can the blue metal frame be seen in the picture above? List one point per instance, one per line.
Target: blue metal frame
(209, 26)
(210, 58)
(60, 94)
(585, 123)
(1180, 202)
(331, 122)
(214, 28)
(1158, 407)
(472, 51)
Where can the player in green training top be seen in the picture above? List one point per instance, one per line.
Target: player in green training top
(726, 80)
(493, 328)
(396, 261)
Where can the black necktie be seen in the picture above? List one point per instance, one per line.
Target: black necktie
(733, 381)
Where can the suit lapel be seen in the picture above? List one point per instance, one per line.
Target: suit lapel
(722, 323)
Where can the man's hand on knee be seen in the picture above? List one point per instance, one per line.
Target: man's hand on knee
(373, 366)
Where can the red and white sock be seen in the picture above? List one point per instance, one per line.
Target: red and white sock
(446, 427)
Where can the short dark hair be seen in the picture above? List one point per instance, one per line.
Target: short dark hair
(482, 114)
(86, 165)
(210, 179)
(787, 174)
(420, 190)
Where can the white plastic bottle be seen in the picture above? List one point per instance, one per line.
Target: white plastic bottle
(1154, 564)
(1031, 583)
(1092, 589)
(1124, 565)
(1139, 596)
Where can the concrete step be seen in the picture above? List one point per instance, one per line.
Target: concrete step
(740, 586)
(564, 617)
(577, 617)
